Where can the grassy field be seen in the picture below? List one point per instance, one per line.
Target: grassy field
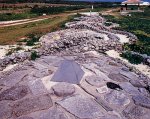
(11, 34)
(35, 11)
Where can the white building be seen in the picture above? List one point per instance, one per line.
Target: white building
(135, 2)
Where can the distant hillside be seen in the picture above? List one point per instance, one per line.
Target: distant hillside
(17, 1)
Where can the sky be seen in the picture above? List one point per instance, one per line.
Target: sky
(109, 0)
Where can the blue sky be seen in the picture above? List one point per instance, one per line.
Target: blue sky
(109, 0)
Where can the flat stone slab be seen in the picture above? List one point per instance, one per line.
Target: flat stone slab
(63, 89)
(95, 81)
(103, 89)
(5, 111)
(37, 87)
(32, 104)
(142, 101)
(137, 83)
(53, 113)
(103, 104)
(14, 93)
(117, 77)
(129, 88)
(129, 75)
(117, 98)
(13, 78)
(25, 117)
(134, 112)
(82, 107)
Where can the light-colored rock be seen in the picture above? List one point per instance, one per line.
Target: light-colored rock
(117, 98)
(82, 107)
(63, 89)
(13, 78)
(94, 80)
(117, 77)
(103, 104)
(14, 93)
(5, 110)
(142, 100)
(32, 104)
(137, 83)
(134, 112)
(102, 89)
(53, 113)
(129, 88)
(37, 87)
(25, 117)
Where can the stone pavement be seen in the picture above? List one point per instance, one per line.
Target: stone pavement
(24, 95)
(108, 89)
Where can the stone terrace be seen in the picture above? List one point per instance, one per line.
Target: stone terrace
(27, 92)
(107, 90)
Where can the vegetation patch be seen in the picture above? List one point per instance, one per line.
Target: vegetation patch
(16, 16)
(34, 55)
(32, 39)
(13, 50)
(132, 58)
(138, 24)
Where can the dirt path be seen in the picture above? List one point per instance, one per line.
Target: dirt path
(24, 21)
(19, 22)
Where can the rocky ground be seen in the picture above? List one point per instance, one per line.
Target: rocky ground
(108, 89)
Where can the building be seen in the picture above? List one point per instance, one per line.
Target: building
(135, 2)
(131, 5)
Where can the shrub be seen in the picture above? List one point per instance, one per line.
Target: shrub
(34, 55)
(134, 59)
(32, 39)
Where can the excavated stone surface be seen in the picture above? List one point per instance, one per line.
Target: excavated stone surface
(82, 107)
(14, 93)
(63, 89)
(134, 112)
(117, 77)
(142, 100)
(129, 88)
(25, 117)
(28, 92)
(117, 98)
(13, 78)
(32, 104)
(5, 110)
(95, 81)
(37, 87)
(53, 113)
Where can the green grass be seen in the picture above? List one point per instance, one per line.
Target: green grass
(11, 34)
(134, 59)
(138, 24)
(34, 55)
(16, 16)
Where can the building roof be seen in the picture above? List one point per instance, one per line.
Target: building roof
(132, 2)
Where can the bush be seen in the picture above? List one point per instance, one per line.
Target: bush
(34, 55)
(15, 16)
(32, 39)
(134, 59)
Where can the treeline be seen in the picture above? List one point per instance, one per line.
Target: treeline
(54, 10)
(25, 1)
(20, 1)
(105, 4)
